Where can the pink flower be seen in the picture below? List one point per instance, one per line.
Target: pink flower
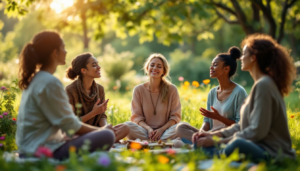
(180, 78)
(1, 116)
(2, 138)
(5, 113)
(171, 151)
(3, 88)
(104, 160)
(145, 142)
(43, 152)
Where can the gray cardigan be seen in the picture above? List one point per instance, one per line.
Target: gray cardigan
(264, 120)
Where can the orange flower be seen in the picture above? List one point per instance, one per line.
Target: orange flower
(163, 159)
(186, 83)
(135, 146)
(127, 88)
(60, 168)
(14, 119)
(115, 87)
(8, 92)
(207, 81)
(146, 150)
(292, 116)
(195, 84)
(72, 149)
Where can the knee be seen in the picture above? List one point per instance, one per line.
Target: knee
(179, 128)
(109, 136)
(238, 142)
(126, 129)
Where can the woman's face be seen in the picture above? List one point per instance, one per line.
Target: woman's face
(217, 68)
(92, 68)
(156, 68)
(62, 54)
(246, 59)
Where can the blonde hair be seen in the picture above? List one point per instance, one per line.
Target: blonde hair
(165, 79)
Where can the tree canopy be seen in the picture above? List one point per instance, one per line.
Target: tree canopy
(175, 20)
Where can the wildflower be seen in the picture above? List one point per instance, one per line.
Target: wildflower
(8, 92)
(43, 152)
(292, 116)
(104, 160)
(171, 151)
(1, 116)
(146, 150)
(2, 138)
(207, 81)
(3, 88)
(127, 88)
(194, 91)
(180, 78)
(186, 83)
(1, 145)
(195, 84)
(185, 87)
(5, 113)
(60, 168)
(146, 142)
(7, 89)
(163, 159)
(115, 87)
(14, 119)
(72, 149)
(135, 146)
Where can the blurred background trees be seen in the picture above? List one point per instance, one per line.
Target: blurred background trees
(190, 33)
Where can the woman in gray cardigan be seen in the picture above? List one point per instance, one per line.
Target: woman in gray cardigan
(262, 132)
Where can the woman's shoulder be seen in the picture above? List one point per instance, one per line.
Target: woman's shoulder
(71, 86)
(172, 87)
(240, 89)
(100, 87)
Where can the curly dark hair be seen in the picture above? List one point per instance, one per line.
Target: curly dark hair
(36, 54)
(272, 59)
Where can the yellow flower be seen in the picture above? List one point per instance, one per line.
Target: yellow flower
(185, 87)
(207, 81)
(8, 92)
(146, 150)
(72, 149)
(163, 159)
(195, 84)
(194, 91)
(186, 83)
(135, 146)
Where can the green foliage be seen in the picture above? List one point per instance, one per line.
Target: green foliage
(8, 49)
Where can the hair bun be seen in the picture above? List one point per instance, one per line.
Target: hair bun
(235, 52)
(71, 74)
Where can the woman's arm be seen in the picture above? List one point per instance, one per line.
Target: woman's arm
(148, 128)
(215, 115)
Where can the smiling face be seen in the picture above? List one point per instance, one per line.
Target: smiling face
(92, 69)
(156, 68)
(247, 59)
(217, 68)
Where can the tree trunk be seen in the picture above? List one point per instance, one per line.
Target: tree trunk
(85, 31)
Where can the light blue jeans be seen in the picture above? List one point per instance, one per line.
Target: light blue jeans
(251, 150)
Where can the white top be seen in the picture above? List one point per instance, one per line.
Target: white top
(44, 113)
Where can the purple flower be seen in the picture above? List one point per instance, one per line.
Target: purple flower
(2, 138)
(1, 145)
(3, 88)
(1, 116)
(104, 160)
(5, 113)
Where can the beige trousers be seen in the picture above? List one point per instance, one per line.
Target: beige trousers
(141, 133)
(185, 130)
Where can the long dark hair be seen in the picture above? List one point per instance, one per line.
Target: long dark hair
(36, 54)
(272, 59)
(77, 63)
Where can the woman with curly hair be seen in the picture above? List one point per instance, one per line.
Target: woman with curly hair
(262, 132)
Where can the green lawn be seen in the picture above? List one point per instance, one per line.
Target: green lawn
(191, 99)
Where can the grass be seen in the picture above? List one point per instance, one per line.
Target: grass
(191, 100)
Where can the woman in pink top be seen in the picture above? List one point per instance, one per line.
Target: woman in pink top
(155, 105)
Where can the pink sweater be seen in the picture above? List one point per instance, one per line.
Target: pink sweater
(142, 108)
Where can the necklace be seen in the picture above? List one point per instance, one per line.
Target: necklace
(154, 107)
